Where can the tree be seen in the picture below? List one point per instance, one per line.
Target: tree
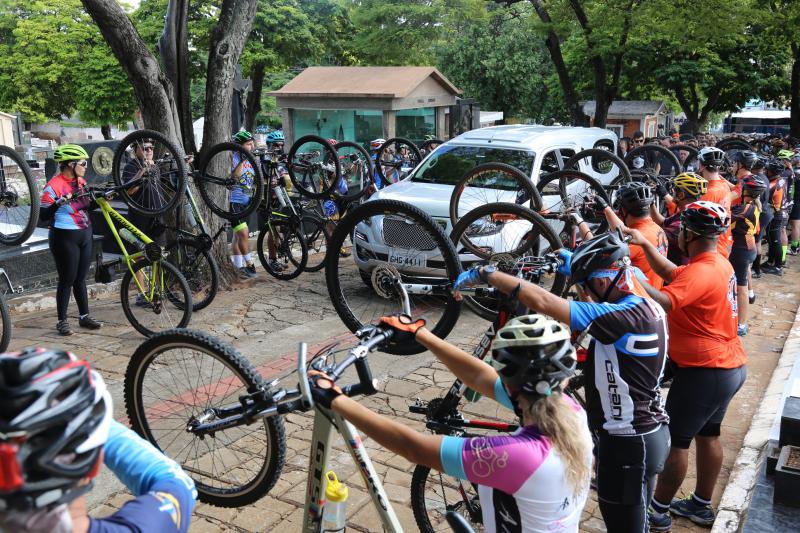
(780, 30)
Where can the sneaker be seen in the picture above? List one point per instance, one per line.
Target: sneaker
(246, 273)
(344, 253)
(251, 268)
(141, 302)
(741, 330)
(275, 266)
(769, 269)
(89, 323)
(751, 298)
(687, 508)
(659, 522)
(63, 328)
(756, 274)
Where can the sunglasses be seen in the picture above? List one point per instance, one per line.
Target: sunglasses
(83, 164)
(147, 148)
(638, 141)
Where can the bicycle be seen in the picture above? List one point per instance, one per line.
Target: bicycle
(19, 199)
(5, 314)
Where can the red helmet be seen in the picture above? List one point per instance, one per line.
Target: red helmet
(704, 218)
(333, 142)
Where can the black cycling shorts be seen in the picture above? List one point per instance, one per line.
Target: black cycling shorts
(698, 399)
(237, 208)
(741, 259)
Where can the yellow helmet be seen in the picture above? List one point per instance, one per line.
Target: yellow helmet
(691, 183)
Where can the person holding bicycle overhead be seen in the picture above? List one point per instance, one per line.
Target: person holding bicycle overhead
(687, 188)
(70, 236)
(57, 431)
(623, 370)
(536, 479)
(241, 196)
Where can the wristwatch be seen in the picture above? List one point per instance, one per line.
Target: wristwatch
(486, 271)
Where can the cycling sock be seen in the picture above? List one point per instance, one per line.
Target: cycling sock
(795, 244)
(751, 293)
(249, 258)
(238, 261)
(784, 249)
(700, 502)
(658, 507)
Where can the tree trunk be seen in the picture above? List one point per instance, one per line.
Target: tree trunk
(794, 121)
(105, 129)
(173, 47)
(254, 96)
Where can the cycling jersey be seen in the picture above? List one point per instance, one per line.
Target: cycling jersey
(164, 494)
(626, 360)
(703, 319)
(243, 191)
(521, 478)
(744, 225)
(72, 215)
(653, 233)
(719, 192)
(779, 196)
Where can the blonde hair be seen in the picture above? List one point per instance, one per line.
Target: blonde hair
(558, 420)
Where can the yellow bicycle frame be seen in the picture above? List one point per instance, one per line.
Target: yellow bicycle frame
(110, 215)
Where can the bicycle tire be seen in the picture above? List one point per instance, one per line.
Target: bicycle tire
(691, 158)
(345, 229)
(9, 202)
(601, 155)
(733, 144)
(369, 172)
(380, 154)
(431, 520)
(200, 270)
(330, 158)
(546, 189)
(135, 376)
(175, 164)
(663, 153)
(313, 229)
(177, 277)
(288, 229)
(540, 229)
(206, 177)
(5, 323)
(522, 183)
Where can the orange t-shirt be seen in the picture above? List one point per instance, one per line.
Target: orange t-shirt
(655, 234)
(719, 192)
(703, 320)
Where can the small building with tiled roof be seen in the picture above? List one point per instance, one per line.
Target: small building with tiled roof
(625, 117)
(363, 103)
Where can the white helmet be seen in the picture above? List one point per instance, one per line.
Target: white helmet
(711, 157)
(377, 143)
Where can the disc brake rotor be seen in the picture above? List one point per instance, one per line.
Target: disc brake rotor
(383, 278)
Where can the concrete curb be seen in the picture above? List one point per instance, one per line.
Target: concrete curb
(46, 300)
(738, 492)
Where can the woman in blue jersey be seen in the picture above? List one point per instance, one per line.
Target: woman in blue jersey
(535, 480)
(56, 431)
(241, 196)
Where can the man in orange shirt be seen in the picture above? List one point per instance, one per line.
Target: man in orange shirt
(710, 363)
(635, 200)
(719, 190)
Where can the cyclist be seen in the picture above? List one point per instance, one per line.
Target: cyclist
(687, 187)
(744, 227)
(241, 196)
(707, 356)
(719, 191)
(534, 480)
(275, 142)
(788, 158)
(374, 146)
(776, 233)
(635, 199)
(742, 165)
(57, 430)
(623, 370)
(767, 213)
(70, 235)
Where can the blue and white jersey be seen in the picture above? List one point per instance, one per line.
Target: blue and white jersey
(242, 193)
(625, 363)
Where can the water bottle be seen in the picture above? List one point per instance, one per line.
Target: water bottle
(131, 238)
(334, 513)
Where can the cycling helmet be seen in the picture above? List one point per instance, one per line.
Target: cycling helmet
(54, 421)
(69, 152)
(599, 253)
(711, 157)
(746, 158)
(785, 154)
(635, 197)
(533, 354)
(377, 143)
(691, 183)
(774, 166)
(241, 137)
(703, 218)
(761, 161)
(753, 185)
(275, 137)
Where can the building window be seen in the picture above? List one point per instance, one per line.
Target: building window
(416, 124)
(356, 125)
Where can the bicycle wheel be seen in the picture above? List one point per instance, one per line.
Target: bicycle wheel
(602, 165)
(229, 174)
(395, 160)
(199, 268)
(291, 254)
(19, 198)
(502, 233)
(733, 144)
(357, 170)
(389, 241)
(313, 166)
(434, 493)
(571, 189)
(154, 168)
(316, 235)
(178, 376)
(5, 323)
(656, 159)
(165, 302)
(491, 183)
(689, 162)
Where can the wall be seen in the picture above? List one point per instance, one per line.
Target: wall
(7, 131)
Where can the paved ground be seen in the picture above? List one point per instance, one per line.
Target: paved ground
(266, 320)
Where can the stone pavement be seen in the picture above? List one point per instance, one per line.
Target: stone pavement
(265, 321)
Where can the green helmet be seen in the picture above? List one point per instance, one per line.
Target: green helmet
(785, 154)
(241, 137)
(69, 152)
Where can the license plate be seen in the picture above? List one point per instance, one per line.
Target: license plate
(400, 258)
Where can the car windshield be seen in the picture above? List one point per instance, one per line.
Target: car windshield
(449, 163)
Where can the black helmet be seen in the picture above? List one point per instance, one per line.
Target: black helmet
(774, 166)
(635, 197)
(533, 354)
(711, 157)
(706, 219)
(753, 185)
(599, 253)
(760, 163)
(55, 414)
(746, 158)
